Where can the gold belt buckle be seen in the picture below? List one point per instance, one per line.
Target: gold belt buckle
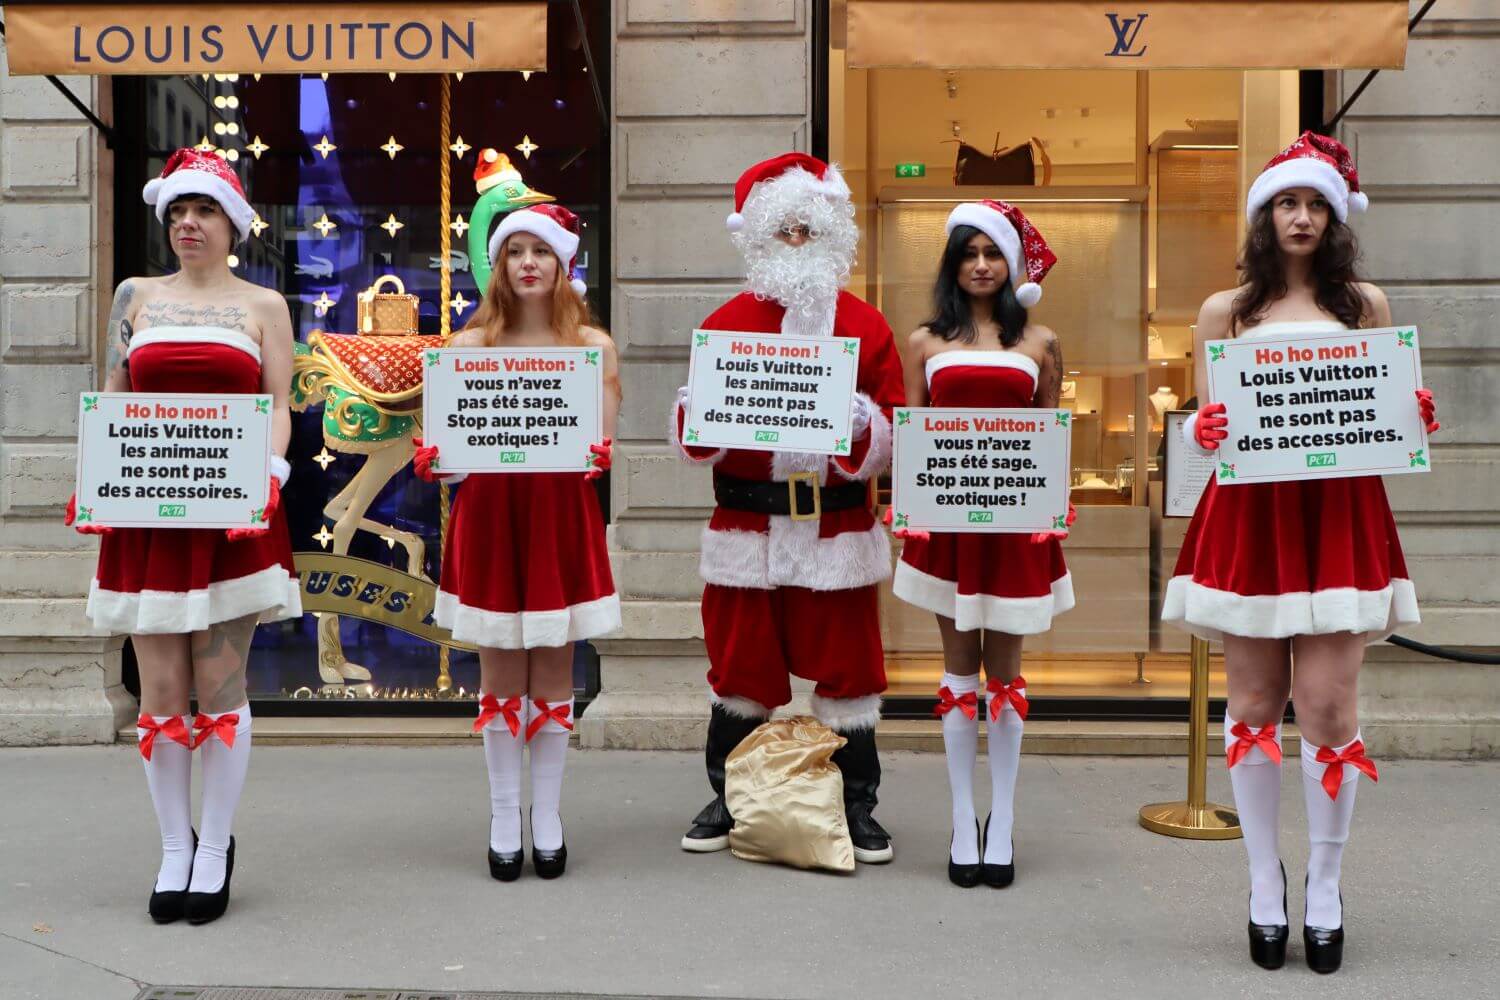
(811, 478)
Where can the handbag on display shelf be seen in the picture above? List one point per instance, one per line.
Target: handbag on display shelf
(387, 313)
(1015, 166)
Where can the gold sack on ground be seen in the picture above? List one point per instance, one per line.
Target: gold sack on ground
(787, 797)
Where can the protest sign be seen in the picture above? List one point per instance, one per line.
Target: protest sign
(1185, 470)
(997, 470)
(1319, 405)
(173, 460)
(771, 392)
(513, 409)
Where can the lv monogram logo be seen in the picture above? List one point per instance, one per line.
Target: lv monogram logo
(1127, 30)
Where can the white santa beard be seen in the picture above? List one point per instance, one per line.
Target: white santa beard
(805, 279)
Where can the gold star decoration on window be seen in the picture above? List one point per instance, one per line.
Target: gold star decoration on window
(527, 147)
(324, 536)
(459, 303)
(392, 147)
(323, 303)
(390, 225)
(324, 459)
(459, 226)
(325, 225)
(459, 147)
(324, 146)
(256, 147)
(258, 225)
(206, 145)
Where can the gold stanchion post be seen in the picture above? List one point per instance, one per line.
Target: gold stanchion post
(1197, 818)
(445, 323)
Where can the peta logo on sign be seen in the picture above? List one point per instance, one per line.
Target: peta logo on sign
(1127, 31)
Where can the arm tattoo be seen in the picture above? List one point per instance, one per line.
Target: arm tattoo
(118, 331)
(1054, 352)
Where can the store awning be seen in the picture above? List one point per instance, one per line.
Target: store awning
(340, 37)
(1174, 34)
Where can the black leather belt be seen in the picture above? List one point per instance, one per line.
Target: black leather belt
(800, 497)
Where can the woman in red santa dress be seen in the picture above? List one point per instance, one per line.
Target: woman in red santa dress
(190, 598)
(1304, 572)
(525, 570)
(987, 590)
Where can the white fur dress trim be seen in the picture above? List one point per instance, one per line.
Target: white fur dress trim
(1012, 615)
(272, 591)
(1211, 614)
(527, 629)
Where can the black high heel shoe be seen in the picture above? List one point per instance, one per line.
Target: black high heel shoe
(206, 907)
(997, 876)
(1325, 948)
(507, 867)
(169, 906)
(1268, 941)
(963, 876)
(549, 864)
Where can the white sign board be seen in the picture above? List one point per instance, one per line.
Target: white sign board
(1319, 405)
(998, 470)
(1187, 470)
(771, 392)
(513, 409)
(173, 460)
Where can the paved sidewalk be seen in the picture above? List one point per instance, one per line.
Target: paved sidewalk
(364, 867)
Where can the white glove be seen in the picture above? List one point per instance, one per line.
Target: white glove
(863, 410)
(682, 396)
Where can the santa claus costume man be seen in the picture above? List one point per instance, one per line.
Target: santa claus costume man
(793, 555)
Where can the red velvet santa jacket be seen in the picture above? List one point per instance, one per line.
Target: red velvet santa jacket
(842, 549)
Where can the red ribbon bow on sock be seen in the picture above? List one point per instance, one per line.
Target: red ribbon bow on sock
(223, 727)
(967, 703)
(1247, 739)
(1354, 756)
(557, 713)
(490, 706)
(173, 727)
(1014, 692)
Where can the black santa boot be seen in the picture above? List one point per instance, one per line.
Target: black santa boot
(859, 763)
(710, 830)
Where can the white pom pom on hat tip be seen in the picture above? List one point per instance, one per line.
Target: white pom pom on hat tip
(580, 287)
(1029, 294)
(735, 222)
(1358, 201)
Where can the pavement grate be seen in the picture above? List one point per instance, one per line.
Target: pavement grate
(280, 993)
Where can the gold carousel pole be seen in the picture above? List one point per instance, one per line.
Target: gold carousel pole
(445, 323)
(1197, 818)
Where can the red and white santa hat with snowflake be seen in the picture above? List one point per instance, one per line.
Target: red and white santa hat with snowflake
(191, 172)
(817, 177)
(1315, 161)
(1026, 252)
(553, 225)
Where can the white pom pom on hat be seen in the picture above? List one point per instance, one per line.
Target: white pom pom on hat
(1029, 294)
(735, 222)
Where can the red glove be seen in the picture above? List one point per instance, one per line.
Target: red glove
(603, 456)
(423, 461)
(1043, 536)
(1428, 409)
(70, 517)
(1212, 426)
(273, 503)
(904, 533)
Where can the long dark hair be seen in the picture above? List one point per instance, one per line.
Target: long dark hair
(1333, 271)
(952, 318)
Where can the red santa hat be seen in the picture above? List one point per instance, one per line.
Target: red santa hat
(1026, 252)
(1314, 161)
(189, 172)
(553, 225)
(817, 176)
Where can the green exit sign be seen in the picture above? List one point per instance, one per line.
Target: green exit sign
(911, 170)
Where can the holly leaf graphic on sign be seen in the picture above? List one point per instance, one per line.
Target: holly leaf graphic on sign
(1405, 338)
(1059, 521)
(700, 339)
(1417, 458)
(83, 514)
(849, 347)
(432, 359)
(841, 445)
(258, 514)
(1226, 470)
(900, 521)
(591, 357)
(1063, 416)
(692, 435)
(90, 403)
(263, 404)
(1215, 352)
(903, 417)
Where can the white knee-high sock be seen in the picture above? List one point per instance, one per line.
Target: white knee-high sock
(503, 725)
(1254, 758)
(1004, 720)
(166, 749)
(547, 735)
(1328, 820)
(224, 742)
(958, 707)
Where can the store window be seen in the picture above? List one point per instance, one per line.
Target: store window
(1136, 179)
(344, 174)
